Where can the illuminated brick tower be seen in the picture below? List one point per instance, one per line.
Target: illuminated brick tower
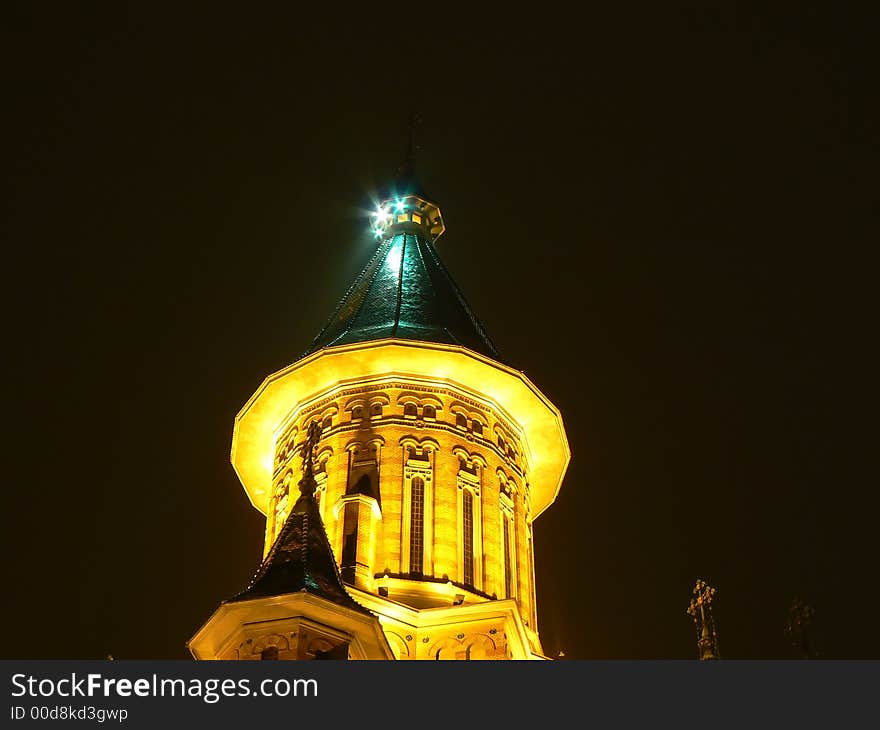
(431, 457)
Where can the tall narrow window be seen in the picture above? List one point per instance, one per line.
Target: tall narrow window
(507, 575)
(349, 542)
(417, 527)
(531, 551)
(467, 523)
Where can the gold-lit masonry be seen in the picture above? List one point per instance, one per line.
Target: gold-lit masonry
(432, 460)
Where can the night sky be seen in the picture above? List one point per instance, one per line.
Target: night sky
(666, 219)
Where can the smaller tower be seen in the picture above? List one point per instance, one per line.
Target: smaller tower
(700, 609)
(296, 606)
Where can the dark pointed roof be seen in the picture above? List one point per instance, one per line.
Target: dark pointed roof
(300, 560)
(407, 293)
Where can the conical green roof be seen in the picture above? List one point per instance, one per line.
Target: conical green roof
(405, 292)
(300, 559)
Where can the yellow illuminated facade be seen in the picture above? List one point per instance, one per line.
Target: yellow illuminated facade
(431, 463)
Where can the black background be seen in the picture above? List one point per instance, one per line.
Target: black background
(666, 218)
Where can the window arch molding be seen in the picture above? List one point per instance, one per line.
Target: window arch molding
(285, 447)
(415, 406)
(475, 421)
(461, 416)
(470, 526)
(469, 456)
(411, 409)
(422, 399)
(359, 445)
(426, 443)
(507, 539)
(356, 408)
(324, 454)
(506, 483)
(378, 401)
(418, 484)
(330, 410)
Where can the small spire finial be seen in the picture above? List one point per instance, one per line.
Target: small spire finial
(797, 627)
(412, 146)
(700, 610)
(406, 181)
(307, 484)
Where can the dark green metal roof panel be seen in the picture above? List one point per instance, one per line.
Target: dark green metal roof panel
(405, 292)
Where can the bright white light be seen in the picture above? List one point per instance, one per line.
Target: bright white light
(380, 221)
(392, 261)
(400, 205)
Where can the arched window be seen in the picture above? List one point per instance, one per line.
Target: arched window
(467, 537)
(363, 485)
(410, 410)
(328, 422)
(477, 428)
(429, 412)
(349, 542)
(508, 578)
(417, 527)
(461, 421)
(357, 412)
(376, 410)
(501, 442)
(270, 652)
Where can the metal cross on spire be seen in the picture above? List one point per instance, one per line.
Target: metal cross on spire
(700, 609)
(797, 627)
(407, 182)
(307, 484)
(412, 146)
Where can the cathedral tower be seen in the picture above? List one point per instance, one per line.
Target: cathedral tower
(429, 461)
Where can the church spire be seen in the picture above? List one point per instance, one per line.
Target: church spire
(300, 559)
(307, 484)
(405, 292)
(414, 405)
(407, 181)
